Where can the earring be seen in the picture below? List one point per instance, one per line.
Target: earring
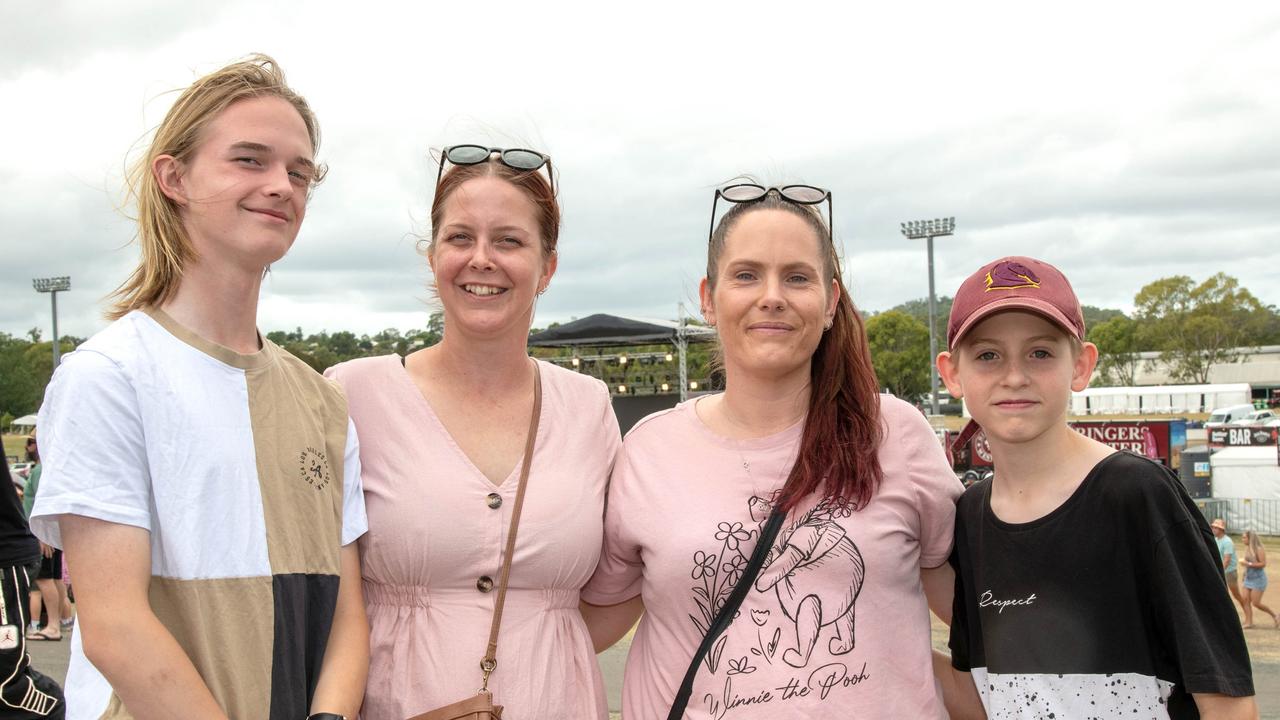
(827, 325)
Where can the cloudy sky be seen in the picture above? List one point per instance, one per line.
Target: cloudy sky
(1123, 142)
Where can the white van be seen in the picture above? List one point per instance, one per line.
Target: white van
(1226, 415)
(1257, 417)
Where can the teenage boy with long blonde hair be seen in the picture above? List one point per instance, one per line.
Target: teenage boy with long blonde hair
(1087, 584)
(204, 482)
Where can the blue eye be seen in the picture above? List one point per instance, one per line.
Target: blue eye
(986, 355)
(1041, 354)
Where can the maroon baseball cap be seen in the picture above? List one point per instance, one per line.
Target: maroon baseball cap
(1015, 283)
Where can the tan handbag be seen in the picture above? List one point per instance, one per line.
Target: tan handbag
(480, 706)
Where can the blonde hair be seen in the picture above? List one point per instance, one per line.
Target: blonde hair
(1253, 545)
(166, 248)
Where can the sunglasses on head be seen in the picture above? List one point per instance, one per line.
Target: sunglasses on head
(514, 158)
(751, 192)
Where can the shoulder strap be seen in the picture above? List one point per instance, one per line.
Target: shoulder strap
(722, 619)
(490, 661)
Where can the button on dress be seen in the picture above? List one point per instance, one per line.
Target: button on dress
(437, 532)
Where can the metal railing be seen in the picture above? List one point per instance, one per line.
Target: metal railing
(1262, 515)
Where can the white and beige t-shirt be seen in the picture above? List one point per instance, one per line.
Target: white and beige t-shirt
(244, 469)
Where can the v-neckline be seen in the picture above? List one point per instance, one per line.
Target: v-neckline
(431, 417)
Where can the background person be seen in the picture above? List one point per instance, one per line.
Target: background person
(1227, 549)
(1255, 578)
(50, 593)
(443, 435)
(204, 481)
(25, 693)
(837, 623)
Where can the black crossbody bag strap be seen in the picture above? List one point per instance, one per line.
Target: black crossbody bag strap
(731, 604)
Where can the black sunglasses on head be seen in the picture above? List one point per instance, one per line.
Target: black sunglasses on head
(514, 158)
(751, 192)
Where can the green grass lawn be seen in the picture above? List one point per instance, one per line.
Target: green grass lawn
(15, 446)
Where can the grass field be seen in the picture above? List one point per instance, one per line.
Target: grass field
(15, 446)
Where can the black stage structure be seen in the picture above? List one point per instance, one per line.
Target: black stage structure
(614, 331)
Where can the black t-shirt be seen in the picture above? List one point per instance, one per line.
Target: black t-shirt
(1112, 605)
(17, 545)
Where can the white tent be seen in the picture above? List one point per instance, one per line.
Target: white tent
(1155, 399)
(23, 424)
(1249, 474)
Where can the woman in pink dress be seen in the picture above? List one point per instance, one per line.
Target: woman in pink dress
(836, 624)
(442, 442)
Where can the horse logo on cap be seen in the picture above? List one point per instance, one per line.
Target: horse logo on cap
(1011, 275)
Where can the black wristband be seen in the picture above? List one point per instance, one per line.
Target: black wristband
(325, 716)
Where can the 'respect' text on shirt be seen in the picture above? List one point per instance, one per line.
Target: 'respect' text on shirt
(986, 599)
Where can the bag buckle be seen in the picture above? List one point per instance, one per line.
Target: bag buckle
(487, 666)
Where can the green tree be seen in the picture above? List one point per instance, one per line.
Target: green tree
(1197, 326)
(919, 309)
(25, 367)
(900, 352)
(1118, 359)
(1097, 316)
(345, 344)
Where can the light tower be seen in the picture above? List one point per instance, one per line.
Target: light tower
(53, 286)
(930, 229)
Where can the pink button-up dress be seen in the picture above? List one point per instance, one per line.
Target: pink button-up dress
(437, 531)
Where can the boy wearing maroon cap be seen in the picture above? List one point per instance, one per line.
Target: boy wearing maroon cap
(1087, 582)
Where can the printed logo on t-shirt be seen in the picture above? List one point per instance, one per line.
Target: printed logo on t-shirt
(805, 591)
(987, 599)
(313, 465)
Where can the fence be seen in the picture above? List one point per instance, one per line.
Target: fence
(1260, 515)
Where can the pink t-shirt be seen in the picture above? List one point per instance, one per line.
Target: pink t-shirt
(837, 625)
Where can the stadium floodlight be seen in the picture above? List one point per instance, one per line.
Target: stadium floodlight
(930, 229)
(53, 286)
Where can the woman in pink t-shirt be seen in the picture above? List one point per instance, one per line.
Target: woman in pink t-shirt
(837, 622)
(442, 438)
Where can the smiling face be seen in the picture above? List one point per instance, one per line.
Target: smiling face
(771, 297)
(1015, 371)
(487, 257)
(243, 193)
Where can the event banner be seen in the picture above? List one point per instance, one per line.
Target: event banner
(1242, 436)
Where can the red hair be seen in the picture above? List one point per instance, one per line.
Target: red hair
(840, 443)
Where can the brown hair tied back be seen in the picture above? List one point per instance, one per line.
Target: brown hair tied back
(842, 433)
(531, 182)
